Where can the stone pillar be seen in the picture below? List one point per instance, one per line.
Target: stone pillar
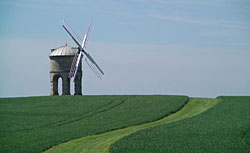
(53, 84)
(54, 88)
(66, 85)
(78, 84)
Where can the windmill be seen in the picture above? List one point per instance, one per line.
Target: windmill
(81, 53)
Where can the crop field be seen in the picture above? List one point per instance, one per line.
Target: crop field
(224, 128)
(246, 138)
(100, 143)
(34, 124)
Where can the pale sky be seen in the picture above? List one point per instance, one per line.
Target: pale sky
(178, 47)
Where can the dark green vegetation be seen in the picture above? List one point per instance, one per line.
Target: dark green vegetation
(34, 124)
(246, 137)
(100, 143)
(224, 128)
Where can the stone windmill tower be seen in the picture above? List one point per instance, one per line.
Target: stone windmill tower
(60, 64)
(66, 63)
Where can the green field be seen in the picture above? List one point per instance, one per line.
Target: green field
(34, 124)
(124, 124)
(246, 137)
(101, 143)
(224, 128)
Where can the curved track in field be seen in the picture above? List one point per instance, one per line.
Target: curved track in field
(246, 137)
(100, 143)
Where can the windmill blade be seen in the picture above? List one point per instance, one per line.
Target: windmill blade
(93, 69)
(77, 65)
(84, 42)
(90, 61)
(78, 56)
(93, 62)
(71, 33)
(74, 36)
(73, 65)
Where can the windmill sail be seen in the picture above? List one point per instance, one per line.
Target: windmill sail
(71, 33)
(76, 61)
(77, 65)
(73, 65)
(93, 68)
(84, 42)
(94, 63)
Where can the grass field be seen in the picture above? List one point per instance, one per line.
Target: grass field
(100, 143)
(223, 128)
(246, 138)
(34, 124)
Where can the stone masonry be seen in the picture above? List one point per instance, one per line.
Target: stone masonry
(60, 64)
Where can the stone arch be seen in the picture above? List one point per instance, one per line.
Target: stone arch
(54, 83)
(77, 85)
(54, 77)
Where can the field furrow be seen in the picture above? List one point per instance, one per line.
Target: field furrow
(34, 124)
(222, 129)
(111, 105)
(100, 143)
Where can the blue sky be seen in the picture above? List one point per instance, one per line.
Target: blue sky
(190, 47)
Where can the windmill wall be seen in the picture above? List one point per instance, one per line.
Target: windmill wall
(60, 64)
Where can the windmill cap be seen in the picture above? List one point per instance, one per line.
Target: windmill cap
(64, 51)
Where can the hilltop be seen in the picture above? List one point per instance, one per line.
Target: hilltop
(129, 123)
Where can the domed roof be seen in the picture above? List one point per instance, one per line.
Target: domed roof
(64, 51)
